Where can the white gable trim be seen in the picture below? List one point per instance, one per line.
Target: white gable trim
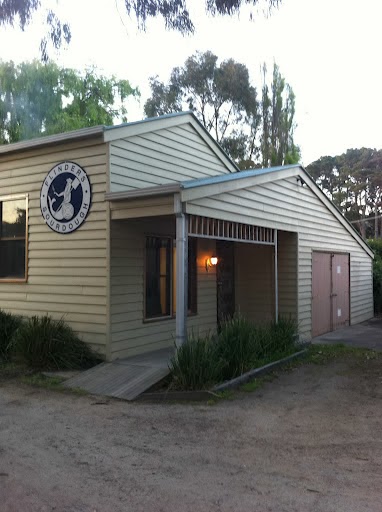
(236, 182)
(151, 125)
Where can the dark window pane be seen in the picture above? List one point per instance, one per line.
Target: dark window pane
(12, 259)
(158, 277)
(13, 219)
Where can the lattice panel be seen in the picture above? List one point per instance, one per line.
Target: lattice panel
(205, 227)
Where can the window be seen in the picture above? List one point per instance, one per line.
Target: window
(161, 277)
(13, 228)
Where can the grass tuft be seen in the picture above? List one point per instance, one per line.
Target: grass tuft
(46, 344)
(8, 326)
(238, 347)
(194, 365)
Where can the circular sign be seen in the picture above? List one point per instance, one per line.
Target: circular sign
(65, 197)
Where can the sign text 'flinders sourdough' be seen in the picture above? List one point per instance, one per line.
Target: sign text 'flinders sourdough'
(65, 197)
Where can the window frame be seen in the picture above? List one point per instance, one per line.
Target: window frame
(15, 197)
(161, 317)
(172, 314)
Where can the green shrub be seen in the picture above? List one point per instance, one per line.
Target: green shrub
(376, 245)
(282, 336)
(8, 326)
(236, 346)
(239, 347)
(195, 364)
(46, 344)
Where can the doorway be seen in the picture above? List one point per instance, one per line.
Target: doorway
(330, 292)
(225, 280)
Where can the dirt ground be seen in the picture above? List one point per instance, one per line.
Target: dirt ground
(310, 440)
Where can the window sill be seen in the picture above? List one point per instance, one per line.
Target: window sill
(9, 280)
(163, 318)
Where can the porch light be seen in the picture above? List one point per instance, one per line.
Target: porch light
(212, 261)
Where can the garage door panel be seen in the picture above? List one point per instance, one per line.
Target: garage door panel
(330, 292)
(340, 290)
(321, 291)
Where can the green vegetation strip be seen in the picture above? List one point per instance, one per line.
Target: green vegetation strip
(257, 372)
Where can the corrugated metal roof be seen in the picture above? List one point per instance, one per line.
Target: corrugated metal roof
(213, 180)
(48, 140)
(150, 119)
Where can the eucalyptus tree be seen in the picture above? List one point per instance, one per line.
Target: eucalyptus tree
(353, 181)
(174, 13)
(227, 104)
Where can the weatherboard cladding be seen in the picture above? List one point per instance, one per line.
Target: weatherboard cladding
(286, 205)
(169, 155)
(67, 274)
(130, 335)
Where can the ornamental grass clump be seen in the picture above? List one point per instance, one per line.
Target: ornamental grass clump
(236, 346)
(275, 340)
(195, 364)
(239, 347)
(8, 326)
(46, 344)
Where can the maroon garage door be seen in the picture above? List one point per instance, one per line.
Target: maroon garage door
(330, 292)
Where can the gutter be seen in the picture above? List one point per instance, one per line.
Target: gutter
(50, 140)
(158, 190)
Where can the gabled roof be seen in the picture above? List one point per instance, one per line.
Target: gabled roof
(111, 133)
(167, 121)
(206, 187)
(195, 189)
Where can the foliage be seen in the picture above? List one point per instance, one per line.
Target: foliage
(8, 326)
(38, 99)
(175, 14)
(353, 181)
(322, 354)
(278, 110)
(253, 131)
(376, 245)
(47, 344)
(194, 365)
(238, 347)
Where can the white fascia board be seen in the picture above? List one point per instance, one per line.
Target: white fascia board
(330, 206)
(145, 126)
(237, 183)
(50, 140)
(214, 146)
(138, 193)
(161, 123)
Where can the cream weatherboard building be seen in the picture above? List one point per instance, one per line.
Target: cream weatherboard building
(137, 233)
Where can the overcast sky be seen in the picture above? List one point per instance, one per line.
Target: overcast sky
(329, 51)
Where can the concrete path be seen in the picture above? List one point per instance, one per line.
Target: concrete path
(365, 335)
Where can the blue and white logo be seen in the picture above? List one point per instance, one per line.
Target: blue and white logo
(65, 197)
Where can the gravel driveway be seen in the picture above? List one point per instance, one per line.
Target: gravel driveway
(311, 440)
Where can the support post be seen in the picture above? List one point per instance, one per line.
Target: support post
(276, 277)
(181, 274)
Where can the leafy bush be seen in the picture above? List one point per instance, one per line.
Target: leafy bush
(376, 245)
(47, 344)
(236, 346)
(195, 365)
(8, 326)
(239, 347)
(282, 335)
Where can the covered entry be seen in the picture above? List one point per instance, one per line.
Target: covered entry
(330, 292)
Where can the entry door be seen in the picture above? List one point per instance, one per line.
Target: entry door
(330, 292)
(340, 291)
(225, 272)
